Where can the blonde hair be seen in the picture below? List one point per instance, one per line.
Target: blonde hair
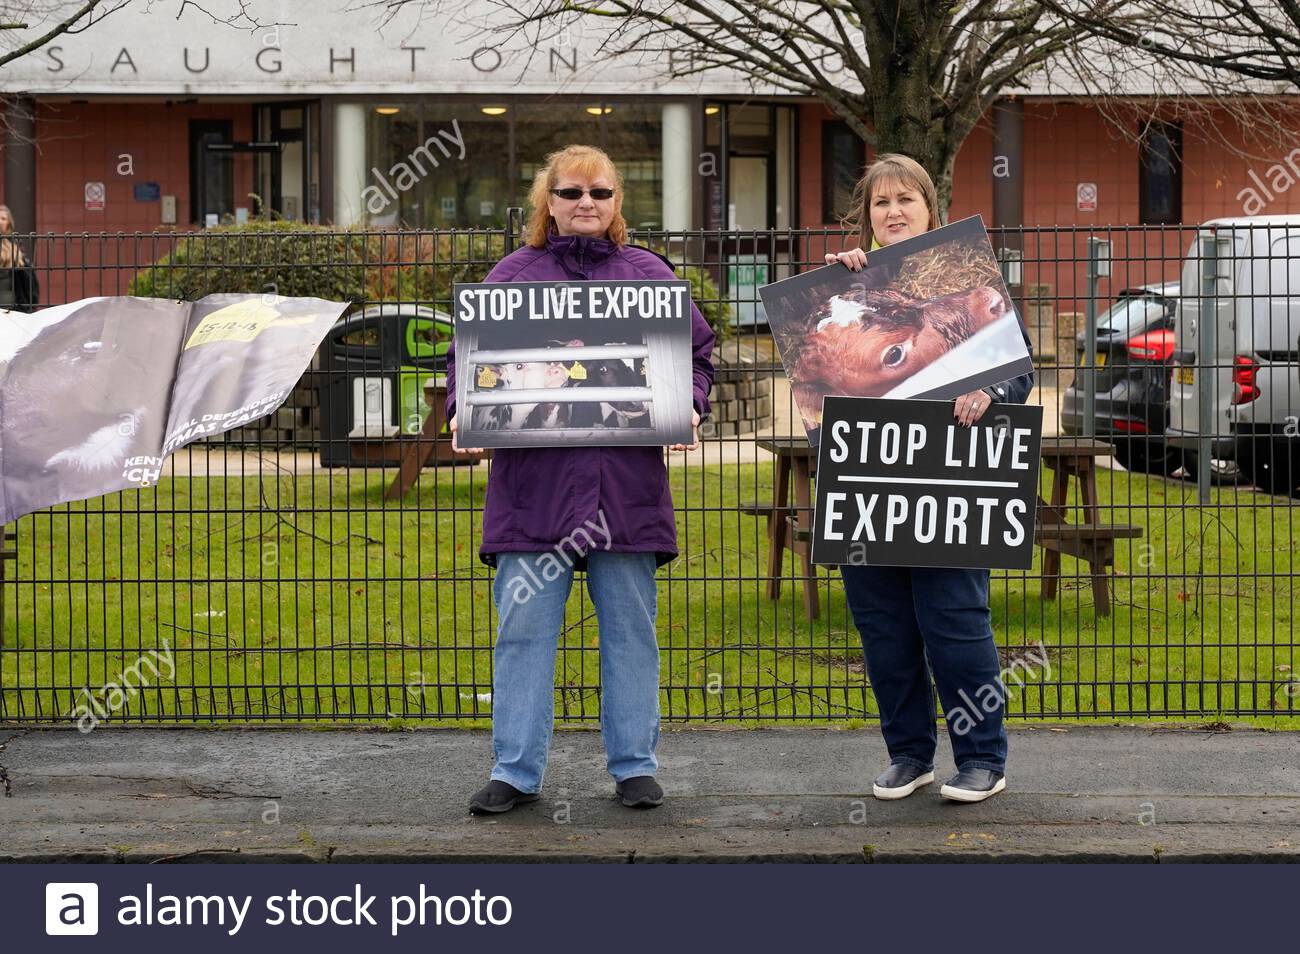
(10, 253)
(890, 167)
(586, 162)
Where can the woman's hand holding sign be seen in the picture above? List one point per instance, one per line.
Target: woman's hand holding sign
(853, 259)
(969, 408)
(695, 434)
(451, 426)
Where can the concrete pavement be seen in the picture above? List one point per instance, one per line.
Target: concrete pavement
(1075, 793)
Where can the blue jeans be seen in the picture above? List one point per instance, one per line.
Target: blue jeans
(530, 612)
(906, 614)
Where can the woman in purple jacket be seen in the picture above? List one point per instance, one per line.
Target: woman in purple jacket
(540, 500)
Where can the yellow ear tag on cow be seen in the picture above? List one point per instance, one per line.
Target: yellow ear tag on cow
(578, 371)
(487, 378)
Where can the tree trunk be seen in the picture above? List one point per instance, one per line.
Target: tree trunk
(902, 41)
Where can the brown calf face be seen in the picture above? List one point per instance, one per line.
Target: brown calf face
(867, 343)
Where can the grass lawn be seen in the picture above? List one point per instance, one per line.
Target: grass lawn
(296, 597)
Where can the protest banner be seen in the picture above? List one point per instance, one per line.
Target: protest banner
(543, 364)
(928, 317)
(901, 483)
(97, 393)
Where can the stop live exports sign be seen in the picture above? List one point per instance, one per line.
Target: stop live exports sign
(902, 483)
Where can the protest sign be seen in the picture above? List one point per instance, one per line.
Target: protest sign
(543, 364)
(97, 393)
(901, 483)
(928, 317)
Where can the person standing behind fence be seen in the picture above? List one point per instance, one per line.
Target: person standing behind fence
(19, 290)
(542, 501)
(906, 614)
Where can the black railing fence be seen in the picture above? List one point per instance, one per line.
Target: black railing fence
(292, 570)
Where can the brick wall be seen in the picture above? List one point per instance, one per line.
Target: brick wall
(82, 142)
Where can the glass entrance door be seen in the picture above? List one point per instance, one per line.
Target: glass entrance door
(288, 181)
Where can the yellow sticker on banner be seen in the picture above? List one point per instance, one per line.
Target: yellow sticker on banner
(578, 372)
(242, 321)
(487, 378)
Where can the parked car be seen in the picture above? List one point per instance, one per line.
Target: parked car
(1135, 344)
(1255, 305)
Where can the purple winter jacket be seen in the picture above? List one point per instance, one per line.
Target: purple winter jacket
(538, 496)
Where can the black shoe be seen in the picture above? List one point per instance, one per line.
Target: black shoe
(497, 796)
(900, 780)
(640, 792)
(973, 785)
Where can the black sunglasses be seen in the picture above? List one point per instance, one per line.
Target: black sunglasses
(572, 193)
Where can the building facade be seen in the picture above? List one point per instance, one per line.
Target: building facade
(145, 122)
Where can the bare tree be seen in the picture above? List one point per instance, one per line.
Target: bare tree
(1258, 41)
(51, 19)
(917, 76)
(55, 18)
(911, 76)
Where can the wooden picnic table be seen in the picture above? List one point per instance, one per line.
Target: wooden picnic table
(1087, 539)
(434, 440)
(8, 553)
(789, 524)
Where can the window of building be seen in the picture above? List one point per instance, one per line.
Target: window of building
(212, 174)
(1160, 174)
(426, 183)
(844, 155)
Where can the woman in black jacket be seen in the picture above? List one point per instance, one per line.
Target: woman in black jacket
(914, 619)
(19, 290)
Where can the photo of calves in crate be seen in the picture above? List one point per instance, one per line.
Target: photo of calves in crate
(534, 374)
(612, 374)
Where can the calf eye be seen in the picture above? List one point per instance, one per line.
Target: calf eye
(895, 355)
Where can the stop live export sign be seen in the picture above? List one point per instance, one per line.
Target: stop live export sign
(902, 483)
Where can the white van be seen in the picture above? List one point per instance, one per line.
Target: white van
(1255, 303)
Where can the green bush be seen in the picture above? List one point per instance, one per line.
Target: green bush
(421, 267)
(704, 292)
(285, 258)
(298, 260)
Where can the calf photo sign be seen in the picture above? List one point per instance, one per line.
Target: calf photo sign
(927, 317)
(901, 483)
(542, 364)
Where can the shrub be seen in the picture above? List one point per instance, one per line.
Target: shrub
(421, 267)
(704, 292)
(298, 260)
(285, 258)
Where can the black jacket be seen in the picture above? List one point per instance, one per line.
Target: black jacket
(27, 290)
(1016, 390)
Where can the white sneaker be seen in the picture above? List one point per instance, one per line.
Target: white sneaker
(900, 780)
(973, 785)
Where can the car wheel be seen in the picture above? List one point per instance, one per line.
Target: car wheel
(1270, 465)
(1147, 455)
(1223, 472)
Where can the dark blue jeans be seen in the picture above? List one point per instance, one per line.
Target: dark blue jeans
(906, 614)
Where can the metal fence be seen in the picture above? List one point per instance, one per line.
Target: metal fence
(279, 573)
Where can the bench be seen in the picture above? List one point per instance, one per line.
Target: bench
(8, 553)
(794, 463)
(434, 440)
(1090, 541)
